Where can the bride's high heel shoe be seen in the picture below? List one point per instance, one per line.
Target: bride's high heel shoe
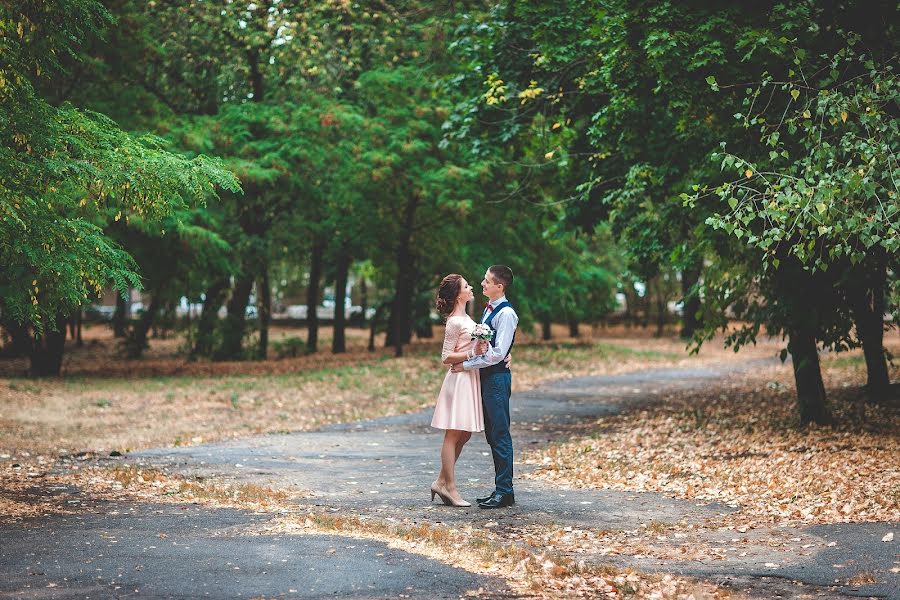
(446, 499)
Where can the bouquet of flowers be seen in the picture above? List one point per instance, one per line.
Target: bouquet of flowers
(482, 332)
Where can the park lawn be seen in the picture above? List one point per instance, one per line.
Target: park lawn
(133, 406)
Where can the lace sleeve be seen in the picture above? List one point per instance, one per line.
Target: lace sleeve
(451, 336)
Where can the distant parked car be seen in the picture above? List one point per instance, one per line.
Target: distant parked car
(99, 312)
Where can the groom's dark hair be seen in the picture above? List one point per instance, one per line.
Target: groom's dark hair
(502, 274)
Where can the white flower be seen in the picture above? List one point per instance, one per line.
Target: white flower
(482, 332)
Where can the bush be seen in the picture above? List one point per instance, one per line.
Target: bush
(289, 347)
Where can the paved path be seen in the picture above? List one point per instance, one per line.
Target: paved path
(126, 550)
(382, 469)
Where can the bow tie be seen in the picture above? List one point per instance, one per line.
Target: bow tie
(489, 307)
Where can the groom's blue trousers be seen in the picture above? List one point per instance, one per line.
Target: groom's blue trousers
(495, 392)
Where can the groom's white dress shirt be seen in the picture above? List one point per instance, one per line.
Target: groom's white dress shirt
(505, 324)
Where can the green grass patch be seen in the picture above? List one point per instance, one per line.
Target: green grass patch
(846, 360)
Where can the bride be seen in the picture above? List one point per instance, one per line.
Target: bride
(458, 410)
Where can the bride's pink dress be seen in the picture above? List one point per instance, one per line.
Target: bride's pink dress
(459, 402)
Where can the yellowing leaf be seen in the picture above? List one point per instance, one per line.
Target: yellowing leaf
(795, 94)
(549, 155)
(555, 126)
(844, 116)
(821, 208)
(748, 173)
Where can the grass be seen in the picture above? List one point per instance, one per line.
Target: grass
(106, 403)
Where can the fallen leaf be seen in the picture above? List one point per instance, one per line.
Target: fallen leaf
(888, 538)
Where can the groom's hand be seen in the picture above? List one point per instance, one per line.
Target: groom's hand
(508, 360)
(457, 368)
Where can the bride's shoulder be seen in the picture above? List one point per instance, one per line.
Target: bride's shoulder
(460, 321)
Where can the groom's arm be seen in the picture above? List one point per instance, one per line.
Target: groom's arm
(507, 321)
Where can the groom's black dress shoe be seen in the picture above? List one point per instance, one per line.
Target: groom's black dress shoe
(498, 501)
(486, 498)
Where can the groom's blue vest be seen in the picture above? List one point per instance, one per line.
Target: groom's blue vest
(500, 367)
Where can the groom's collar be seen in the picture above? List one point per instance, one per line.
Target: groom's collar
(498, 301)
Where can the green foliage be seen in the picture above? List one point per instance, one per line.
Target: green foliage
(826, 190)
(62, 169)
(289, 347)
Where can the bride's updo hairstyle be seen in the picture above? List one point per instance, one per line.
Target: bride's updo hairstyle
(447, 294)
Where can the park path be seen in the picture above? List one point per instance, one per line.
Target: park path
(381, 469)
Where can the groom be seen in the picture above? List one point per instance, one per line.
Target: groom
(496, 382)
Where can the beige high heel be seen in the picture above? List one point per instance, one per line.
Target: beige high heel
(446, 499)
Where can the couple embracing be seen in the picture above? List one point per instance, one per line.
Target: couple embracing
(475, 393)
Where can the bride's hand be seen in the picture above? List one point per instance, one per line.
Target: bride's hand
(508, 360)
(481, 347)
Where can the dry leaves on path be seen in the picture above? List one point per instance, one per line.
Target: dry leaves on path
(739, 444)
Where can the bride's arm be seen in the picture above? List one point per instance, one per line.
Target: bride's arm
(451, 336)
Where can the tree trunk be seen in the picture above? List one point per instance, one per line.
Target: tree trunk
(400, 320)
(264, 308)
(363, 300)
(422, 324)
(338, 342)
(206, 324)
(47, 350)
(868, 304)
(801, 297)
(662, 312)
(120, 317)
(235, 320)
(373, 329)
(631, 306)
(808, 378)
(312, 296)
(136, 340)
(573, 328)
(20, 340)
(690, 301)
(546, 332)
(79, 342)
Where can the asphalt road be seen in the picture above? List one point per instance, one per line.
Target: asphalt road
(126, 550)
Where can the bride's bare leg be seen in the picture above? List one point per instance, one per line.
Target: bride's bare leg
(446, 478)
(463, 439)
(446, 481)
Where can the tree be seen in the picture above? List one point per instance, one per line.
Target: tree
(817, 200)
(639, 82)
(60, 168)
